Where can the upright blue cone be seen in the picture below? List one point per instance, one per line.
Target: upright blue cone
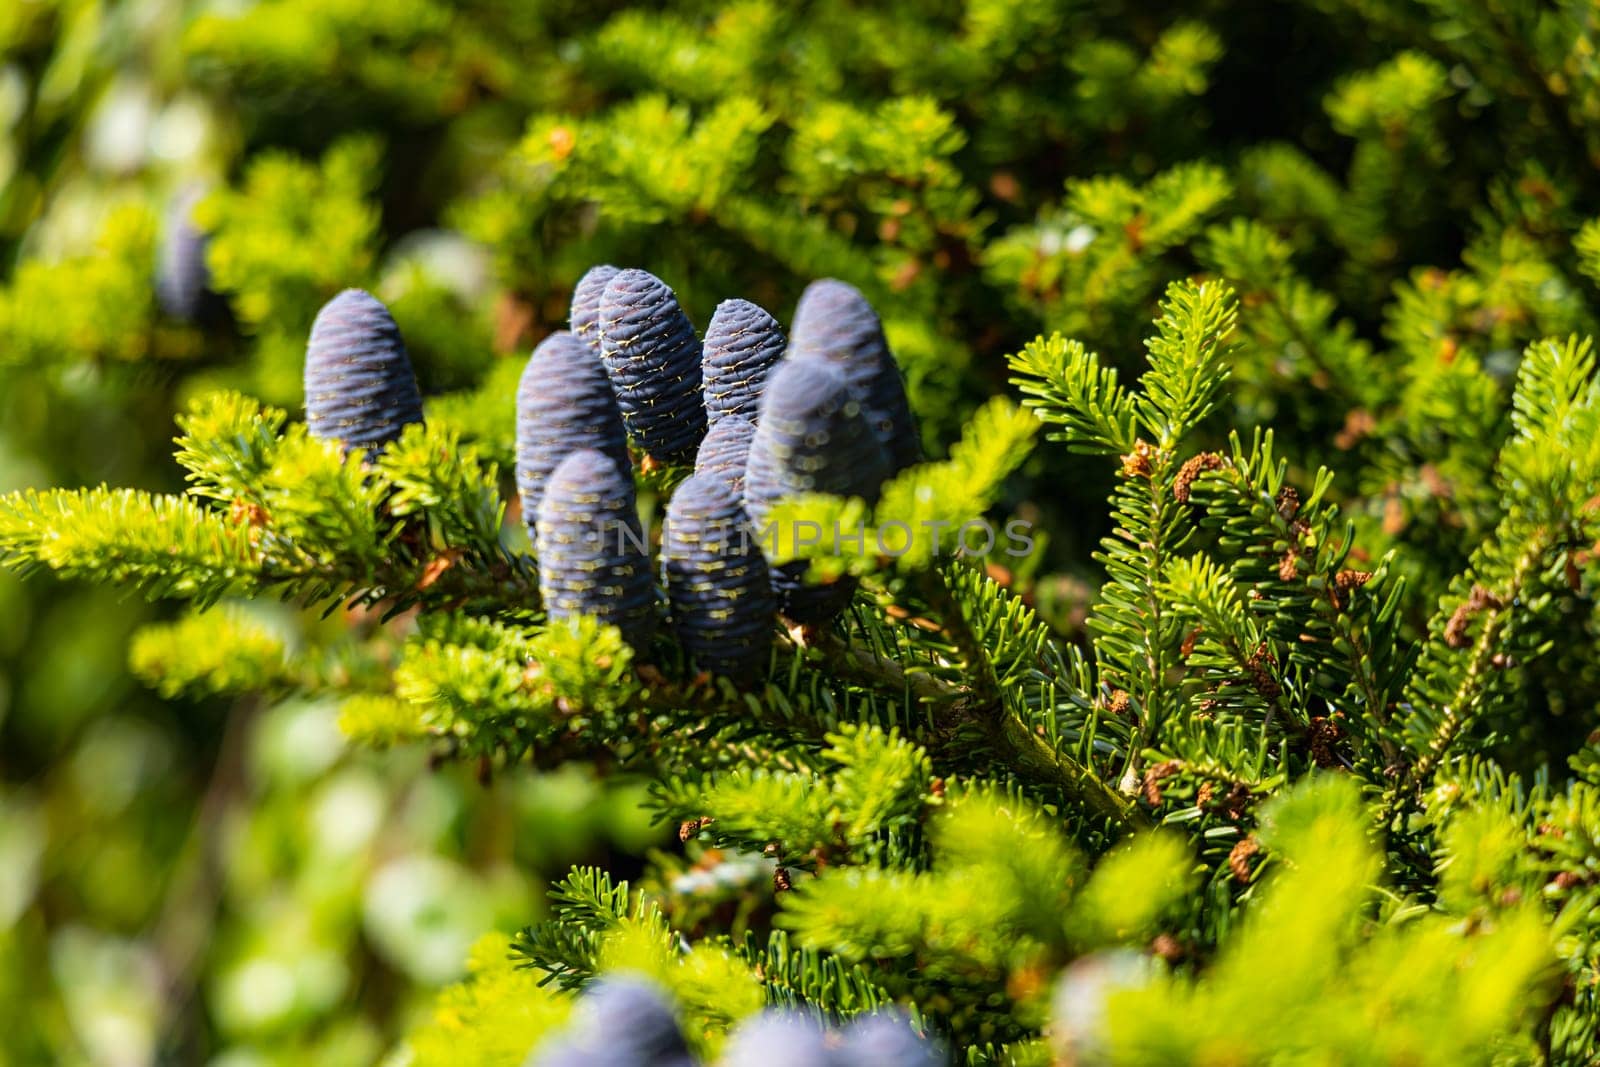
(725, 451)
(360, 390)
(813, 437)
(564, 404)
(718, 589)
(834, 322)
(584, 318)
(742, 345)
(591, 552)
(183, 282)
(651, 352)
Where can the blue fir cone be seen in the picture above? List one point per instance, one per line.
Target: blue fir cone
(621, 1021)
(360, 390)
(183, 282)
(813, 437)
(564, 403)
(834, 322)
(631, 1013)
(724, 452)
(742, 344)
(886, 1039)
(590, 547)
(651, 352)
(718, 589)
(779, 1039)
(584, 318)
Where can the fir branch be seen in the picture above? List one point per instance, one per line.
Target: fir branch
(1285, 549)
(421, 526)
(870, 789)
(1201, 589)
(975, 662)
(437, 478)
(1136, 637)
(1039, 763)
(1546, 475)
(220, 651)
(1066, 385)
(962, 713)
(1188, 360)
(165, 546)
(873, 670)
(794, 977)
(227, 445)
(1019, 746)
(1465, 702)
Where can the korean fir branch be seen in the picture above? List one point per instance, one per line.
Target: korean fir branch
(1500, 610)
(957, 666)
(990, 712)
(1137, 636)
(1313, 638)
(969, 693)
(275, 510)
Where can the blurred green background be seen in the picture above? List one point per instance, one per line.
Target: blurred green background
(186, 879)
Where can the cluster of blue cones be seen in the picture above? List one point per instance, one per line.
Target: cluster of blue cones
(760, 416)
(626, 1021)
